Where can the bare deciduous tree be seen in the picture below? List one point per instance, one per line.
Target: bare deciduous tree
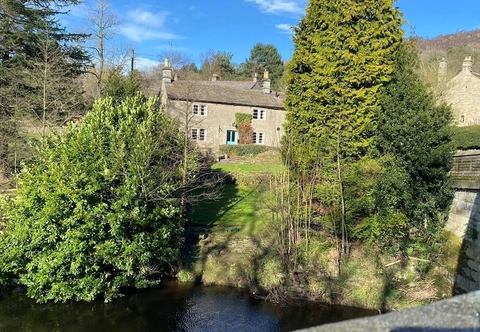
(104, 25)
(204, 184)
(59, 96)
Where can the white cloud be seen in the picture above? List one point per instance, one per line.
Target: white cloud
(145, 63)
(141, 25)
(280, 6)
(140, 33)
(285, 28)
(147, 18)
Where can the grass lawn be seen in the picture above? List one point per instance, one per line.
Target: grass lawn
(239, 210)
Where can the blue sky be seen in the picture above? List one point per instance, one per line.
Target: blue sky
(193, 27)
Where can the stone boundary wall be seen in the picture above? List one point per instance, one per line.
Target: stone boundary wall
(464, 219)
(459, 313)
(464, 222)
(465, 171)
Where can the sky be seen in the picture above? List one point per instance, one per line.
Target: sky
(195, 27)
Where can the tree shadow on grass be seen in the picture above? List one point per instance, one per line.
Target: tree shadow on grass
(232, 241)
(222, 239)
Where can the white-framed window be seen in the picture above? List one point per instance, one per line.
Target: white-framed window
(199, 109)
(258, 114)
(258, 138)
(197, 134)
(462, 118)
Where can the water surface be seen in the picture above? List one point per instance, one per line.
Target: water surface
(171, 307)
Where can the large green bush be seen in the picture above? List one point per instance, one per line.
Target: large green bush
(244, 149)
(96, 210)
(413, 142)
(466, 138)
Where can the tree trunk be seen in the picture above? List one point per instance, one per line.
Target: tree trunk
(3, 160)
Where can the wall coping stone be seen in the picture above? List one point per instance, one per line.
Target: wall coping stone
(459, 313)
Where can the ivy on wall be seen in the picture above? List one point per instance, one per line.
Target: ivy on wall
(244, 126)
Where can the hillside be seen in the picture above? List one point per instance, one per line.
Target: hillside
(444, 42)
(453, 47)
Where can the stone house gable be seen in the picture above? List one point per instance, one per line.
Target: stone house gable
(206, 109)
(463, 94)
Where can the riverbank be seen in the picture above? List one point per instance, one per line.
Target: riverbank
(233, 242)
(171, 306)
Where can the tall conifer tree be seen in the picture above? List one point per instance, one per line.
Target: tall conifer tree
(36, 50)
(263, 57)
(343, 54)
(414, 131)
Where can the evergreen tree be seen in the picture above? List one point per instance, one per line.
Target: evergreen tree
(217, 63)
(263, 57)
(119, 86)
(343, 55)
(413, 136)
(35, 48)
(98, 209)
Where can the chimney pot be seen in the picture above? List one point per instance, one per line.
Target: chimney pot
(467, 65)
(166, 73)
(266, 83)
(442, 69)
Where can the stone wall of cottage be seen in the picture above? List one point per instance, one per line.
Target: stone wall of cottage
(220, 118)
(463, 94)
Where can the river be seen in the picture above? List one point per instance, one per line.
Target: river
(171, 307)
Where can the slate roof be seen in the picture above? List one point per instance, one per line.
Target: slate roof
(240, 93)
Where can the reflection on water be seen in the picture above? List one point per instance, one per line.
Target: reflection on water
(172, 307)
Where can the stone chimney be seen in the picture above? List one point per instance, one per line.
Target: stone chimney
(215, 77)
(442, 68)
(167, 73)
(266, 83)
(175, 77)
(442, 71)
(255, 77)
(467, 65)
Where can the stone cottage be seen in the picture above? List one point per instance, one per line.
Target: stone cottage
(206, 109)
(463, 94)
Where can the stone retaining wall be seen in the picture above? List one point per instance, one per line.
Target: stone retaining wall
(460, 313)
(464, 222)
(464, 219)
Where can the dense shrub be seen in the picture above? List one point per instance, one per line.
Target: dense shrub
(243, 149)
(466, 138)
(96, 210)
